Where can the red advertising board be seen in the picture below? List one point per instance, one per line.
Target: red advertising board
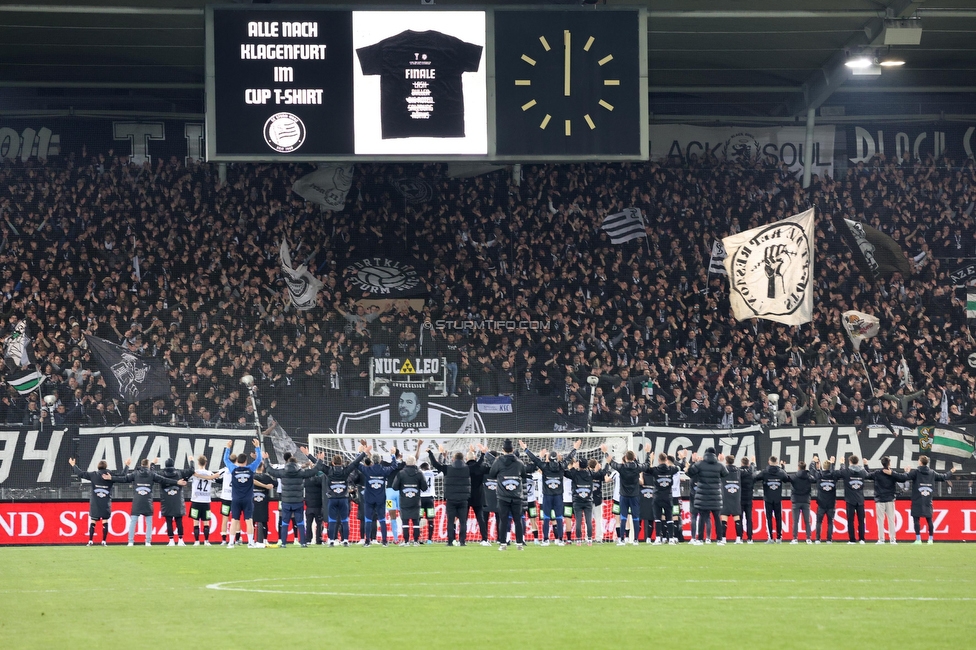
(66, 522)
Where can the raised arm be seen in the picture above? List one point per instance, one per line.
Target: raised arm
(253, 466)
(226, 457)
(433, 462)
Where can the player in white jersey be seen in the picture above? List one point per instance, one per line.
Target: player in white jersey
(200, 498)
(226, 494)
(427, 509)
(568, 508)
(533, 488)
(676, 532)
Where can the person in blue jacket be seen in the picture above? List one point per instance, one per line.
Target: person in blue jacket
(241, 476)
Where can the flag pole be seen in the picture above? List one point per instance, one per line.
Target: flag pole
(647, 243)
(866, 375)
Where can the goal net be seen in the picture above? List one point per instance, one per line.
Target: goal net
(346, 446)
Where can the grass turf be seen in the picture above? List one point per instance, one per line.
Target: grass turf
(602, 596)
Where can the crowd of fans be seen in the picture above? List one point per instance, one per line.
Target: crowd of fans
(645, 317)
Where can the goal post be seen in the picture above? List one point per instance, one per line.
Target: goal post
(346, 445)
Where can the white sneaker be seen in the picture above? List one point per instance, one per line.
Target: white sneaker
(148, 543)
(657, 542)
(205, 543)
(560, 542)
(931, 541)
(621, 543)
(502, 547)
(90, 543)
(738, 541)
(230, 544)
(250, 544)
(130, 544)
(519, 547)
(708, 540)
(817, 542)
(721, 542)
(861, 542)
(197, 543)
(544, 543)
(894, 541)
(672, 542)
(258, 544)
(880, 541)
(486, 543)
(794, 542)
(809, 541)
(171, 543)
(104, 543)
(749, 542)
(850, 543)
(181, 543)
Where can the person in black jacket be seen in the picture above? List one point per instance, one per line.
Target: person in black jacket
(747, 478)
(478, 468)
(854, 476)
(143, 478)
(732, 499)
(802, 482)
(708, 498)
(629, 472)
(173, 501)
(662, 484)
(826, 498)
(772, 479)
(553, 470)
(510, 474)
(264, 483)
(292, 506)
(582, 486)
(885, 487)
(410, 482)
(100, 503)
(314, 493)
(923, 482)
(457, 491)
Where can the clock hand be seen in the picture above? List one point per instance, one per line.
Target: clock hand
(566, 40)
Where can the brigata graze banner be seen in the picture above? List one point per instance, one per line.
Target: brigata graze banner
(793, 444)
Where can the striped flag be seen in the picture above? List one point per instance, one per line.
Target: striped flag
(624, 226)
(970, 303)
(716, 265)
(25, 381)
(948, 441)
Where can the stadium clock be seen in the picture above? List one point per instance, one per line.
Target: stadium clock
(567, 83)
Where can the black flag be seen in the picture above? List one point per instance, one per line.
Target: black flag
(129, 377)
(875, 253)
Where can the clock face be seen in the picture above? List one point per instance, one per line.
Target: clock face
(567, 84)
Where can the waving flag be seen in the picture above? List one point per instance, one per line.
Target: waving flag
(128, 376)
(877, 255)
(718, 256)
(947, 441)
(302, 285)
(327, 186)
(770, 270)
(624, 226)
(860, 326)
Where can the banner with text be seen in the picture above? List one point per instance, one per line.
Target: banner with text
(679, 143)
(919, 140)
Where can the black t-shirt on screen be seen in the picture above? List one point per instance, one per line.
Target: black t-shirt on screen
(421, 92)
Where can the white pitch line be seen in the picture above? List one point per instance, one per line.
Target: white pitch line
(225, 586)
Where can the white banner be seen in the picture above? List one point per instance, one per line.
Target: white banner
(771, 270)
(677, 143)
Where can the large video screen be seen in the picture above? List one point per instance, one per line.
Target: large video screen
(323, 83)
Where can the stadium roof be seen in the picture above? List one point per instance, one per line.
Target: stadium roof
(761, 58)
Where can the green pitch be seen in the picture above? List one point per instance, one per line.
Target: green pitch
(604, 596)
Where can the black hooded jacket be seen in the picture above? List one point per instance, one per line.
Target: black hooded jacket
(457, 478)
(510, 474)
(709, 473)
(292, 479)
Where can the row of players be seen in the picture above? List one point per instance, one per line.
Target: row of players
(500, 485)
